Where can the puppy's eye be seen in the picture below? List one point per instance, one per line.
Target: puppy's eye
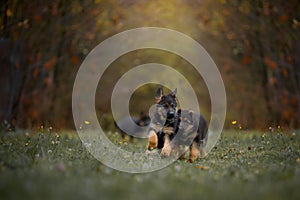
(163, 104)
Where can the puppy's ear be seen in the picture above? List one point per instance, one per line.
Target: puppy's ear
(174, 92)
(159, 94)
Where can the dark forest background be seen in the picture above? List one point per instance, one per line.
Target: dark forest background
(255, 44)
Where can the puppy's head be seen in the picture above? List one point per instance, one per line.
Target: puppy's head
(168, 102)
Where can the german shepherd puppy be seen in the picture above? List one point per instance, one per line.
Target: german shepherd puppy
(189, 127)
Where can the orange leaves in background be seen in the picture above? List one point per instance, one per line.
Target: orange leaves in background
(26, 101)
(295, 101)
(227, 67)
(288, 114)
(285, 73)
(283, 18)
(75, 60)
(246, 60)
(205, 19)
(50, 63)
(37, 18)
(289, 104)
(266, 8)
(273, 81)
(48, 81)
(35, 72)
(54, 10)
(33, 114)
(270, 63)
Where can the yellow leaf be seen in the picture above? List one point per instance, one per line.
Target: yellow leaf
(9, 13)
(234, 122)
(87, 122)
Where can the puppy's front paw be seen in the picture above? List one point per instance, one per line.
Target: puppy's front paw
(203, 152)
(153, 141)
(165, 152)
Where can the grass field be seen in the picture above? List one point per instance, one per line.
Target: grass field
(243, 165)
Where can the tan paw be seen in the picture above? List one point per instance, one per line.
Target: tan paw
(165, 152)
(203, 152)
(194, 153)
(153, 141)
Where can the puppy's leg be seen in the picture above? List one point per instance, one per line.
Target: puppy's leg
(179, 151)
(194, 151)
(166, 150)
(131, 139)
(182, 157)
(203, 136)
(123, 135)
(153, 140)
(203, 152)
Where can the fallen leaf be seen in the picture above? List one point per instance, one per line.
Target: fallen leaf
(202, 167)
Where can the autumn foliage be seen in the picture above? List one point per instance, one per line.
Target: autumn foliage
(254, 43)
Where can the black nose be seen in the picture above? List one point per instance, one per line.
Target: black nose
(170, 114)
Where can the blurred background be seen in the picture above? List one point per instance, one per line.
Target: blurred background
(255, 45)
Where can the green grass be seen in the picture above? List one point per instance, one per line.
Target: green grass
(243, 165)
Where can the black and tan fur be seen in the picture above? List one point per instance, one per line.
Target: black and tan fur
(172, 129)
